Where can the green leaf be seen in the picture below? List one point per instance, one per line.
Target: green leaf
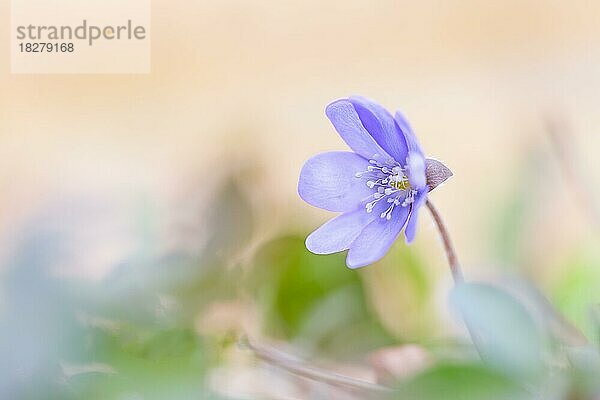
(315, 298)
(460, 382)
(505, 333)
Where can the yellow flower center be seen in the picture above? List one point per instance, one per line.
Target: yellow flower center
(402, 184)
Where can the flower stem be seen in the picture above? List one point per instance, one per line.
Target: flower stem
(457, 274)
(448, 247)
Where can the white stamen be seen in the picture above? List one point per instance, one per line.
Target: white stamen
(389, 180)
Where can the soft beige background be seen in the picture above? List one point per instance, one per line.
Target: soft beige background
(245, 83)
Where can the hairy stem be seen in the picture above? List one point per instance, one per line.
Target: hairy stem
(457, 274)
(448, 247)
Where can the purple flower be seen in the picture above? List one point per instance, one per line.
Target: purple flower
(378, 187)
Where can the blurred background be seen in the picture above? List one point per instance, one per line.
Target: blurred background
(152, 239)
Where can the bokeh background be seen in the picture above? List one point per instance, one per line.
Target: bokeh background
(150, 224)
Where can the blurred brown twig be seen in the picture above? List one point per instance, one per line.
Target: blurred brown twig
(559, 131)
(297, 367)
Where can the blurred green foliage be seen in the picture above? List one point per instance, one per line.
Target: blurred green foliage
(315, 299)
(147, 363)
(576, 293)
(141, 332)
(461, 382)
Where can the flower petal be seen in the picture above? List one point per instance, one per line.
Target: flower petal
(411, 227)
(376, 239)
(337, 234)
(382, 126)
(416, 170)
(328, 181)
(409, 134)
(346, 121)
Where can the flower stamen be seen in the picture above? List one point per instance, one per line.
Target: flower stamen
(389, 181)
